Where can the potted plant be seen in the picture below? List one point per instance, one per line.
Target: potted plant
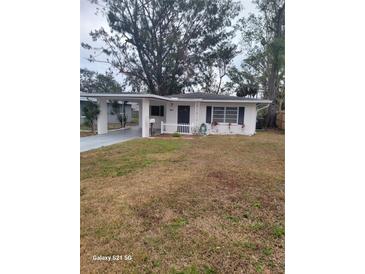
(214, 126)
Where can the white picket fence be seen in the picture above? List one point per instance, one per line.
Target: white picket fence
(180, 128)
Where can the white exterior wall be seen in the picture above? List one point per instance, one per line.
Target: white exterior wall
(171, 114)
(199, 117)
(145, 117)
(159, 119)
(223, 128)
(102, 121)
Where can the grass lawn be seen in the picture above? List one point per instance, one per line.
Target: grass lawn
(185, 205)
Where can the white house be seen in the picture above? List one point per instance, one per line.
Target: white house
(187, 113)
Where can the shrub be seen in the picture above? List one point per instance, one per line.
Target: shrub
(122, 119)
(176, 134)
(91, 112)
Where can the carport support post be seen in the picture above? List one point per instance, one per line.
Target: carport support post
(140, 114)
(103, 116)
(145, 117)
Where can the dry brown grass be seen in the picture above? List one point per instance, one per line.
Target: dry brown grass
(203, 205)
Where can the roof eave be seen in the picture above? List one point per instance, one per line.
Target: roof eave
(120, 95)
(170, 99)
(239, 101)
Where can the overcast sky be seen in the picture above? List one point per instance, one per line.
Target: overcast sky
(90, 21)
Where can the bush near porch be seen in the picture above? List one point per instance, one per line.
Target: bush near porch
(210, 204)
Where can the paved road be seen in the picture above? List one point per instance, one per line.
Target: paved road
(112, 137)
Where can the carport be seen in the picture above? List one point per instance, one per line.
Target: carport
(143, 101)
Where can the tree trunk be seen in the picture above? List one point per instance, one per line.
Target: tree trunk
(92, 127)
(273, 81)
(272, 93)
(271, 116)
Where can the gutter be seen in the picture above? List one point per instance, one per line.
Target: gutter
(265, 107)
(169, 99)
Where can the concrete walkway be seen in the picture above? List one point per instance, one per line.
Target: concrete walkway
(110, 138)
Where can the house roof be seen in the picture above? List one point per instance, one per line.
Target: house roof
(210, 96)
(92, 99)
(188, 97)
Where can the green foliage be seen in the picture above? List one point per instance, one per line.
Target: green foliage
(156, 263)
(263, 38)
(279, 231)
(257, 205)
(174, 227)
(250, 245)
(257, 225)
(115, 107)
(245, 90)
(91, 112)
(178, 223)
(215, 67)
(159, 45)
(93, 82)
(176, 134)
(259, 268)
(267, 251)
(208, 270)
(122, 118)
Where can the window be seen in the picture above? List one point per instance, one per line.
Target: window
(218, 114)
(157, 110)
(208, 118)
(241, 115)
(231, 115)
(225, 114)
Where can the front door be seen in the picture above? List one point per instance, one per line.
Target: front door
(183, 117)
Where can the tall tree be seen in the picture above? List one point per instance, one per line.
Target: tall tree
(264, 65)
(275, 15)
(161, 43)
(215, 68)
(93, 82)
(243, 82)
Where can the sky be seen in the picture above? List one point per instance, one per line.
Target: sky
(91, 20)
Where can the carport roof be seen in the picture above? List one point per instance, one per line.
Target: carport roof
(192, 97)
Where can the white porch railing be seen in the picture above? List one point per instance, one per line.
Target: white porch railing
(180, 128)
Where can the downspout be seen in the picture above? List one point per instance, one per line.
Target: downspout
(265, 107)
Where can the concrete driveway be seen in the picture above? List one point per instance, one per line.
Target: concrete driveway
(110, 138)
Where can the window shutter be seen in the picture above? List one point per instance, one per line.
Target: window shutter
(241, 115)
(208, 119)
